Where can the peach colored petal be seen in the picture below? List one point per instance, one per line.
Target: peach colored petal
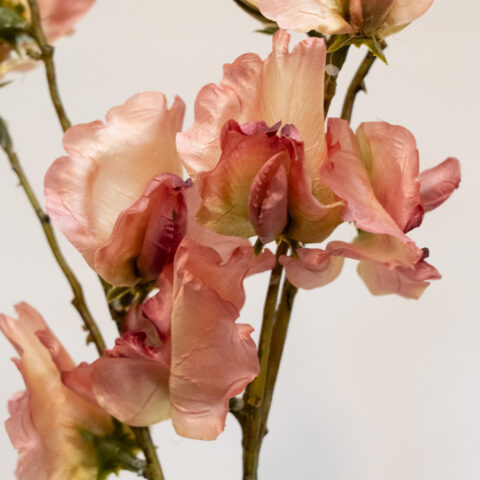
(313, 268)
(146, 235)
(405, 11)
(386, 250)
(109, 166)
(57, 412)
(326, 16)
(225, 189)
(287, 87)
(348, 177)
(268, 202)
(438, 183)
(60, 16)
(25, 439)
(390, 155)
(407, 282)
(213, 359)
(134, 390)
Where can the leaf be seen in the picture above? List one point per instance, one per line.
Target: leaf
(339, 42)
(268, 30)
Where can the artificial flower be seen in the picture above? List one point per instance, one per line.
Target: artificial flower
(46, 420)
(118, 196)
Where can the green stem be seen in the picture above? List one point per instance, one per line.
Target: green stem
(335, 60)
(145, 442)
(78, 297)
(46, 52)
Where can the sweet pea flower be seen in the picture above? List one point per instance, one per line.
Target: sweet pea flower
(368, 18)
(181, 354)
(58, 19)
(253, 176)
(118, 196)
(46, 419)
(386, 198)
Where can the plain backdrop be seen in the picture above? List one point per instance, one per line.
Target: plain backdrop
(371, 388)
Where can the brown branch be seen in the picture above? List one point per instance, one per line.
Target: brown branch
(46, 55)
(78, 297)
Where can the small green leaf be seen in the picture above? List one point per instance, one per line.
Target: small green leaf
(258, 247)
(339, 42)
(115, 293)
(11, 24)
(269, 29)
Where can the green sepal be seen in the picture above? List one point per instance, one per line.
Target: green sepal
(115, 452)
(269, 29)
(339, 41)
(4, 84)
(12, 25)
(258, 247)
(115, 293)
(371, 43)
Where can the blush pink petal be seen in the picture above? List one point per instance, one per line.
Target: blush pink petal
(25, 439)
(57, 413)
(313, 268)
(438, 183)
(348, 177)
(326, 16)
(225, 190)
(287, 87)
(405, 11)
(146, 235)
(407, 282)
(268, 201)
(60, 16)
(390, 155)
(109, 166)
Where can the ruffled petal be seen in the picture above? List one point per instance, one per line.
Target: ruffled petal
(109, 166)
(438, 183)
(213, 359)
(405, 11)
(313, 268)
(390, 155)
(25, 439)
(326, 16)
(407, 282)
(60, 16)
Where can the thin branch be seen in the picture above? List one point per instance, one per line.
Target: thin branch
(78, 298)
(145, 442)
(357, 84)
(335, 62)
(46, 52)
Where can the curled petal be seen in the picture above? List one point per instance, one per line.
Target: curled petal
(213, 359)
(59, 17)
(326, 16)
(404, 12)
(134, 390)
(438, 183)
(407, 282)
(313, 268)
(390, 155)
(268, 198)
(109, 166)
(146, 235)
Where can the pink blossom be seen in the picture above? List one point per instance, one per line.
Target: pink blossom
(45, 419)
(378, 18)
(118, 196)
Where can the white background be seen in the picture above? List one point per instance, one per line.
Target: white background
(371, 388)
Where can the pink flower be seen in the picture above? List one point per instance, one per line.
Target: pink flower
(46, 418)
(118, 196)
(58, 19)
(250, 179)
(376, 174)
(181, 353)
(378, 18)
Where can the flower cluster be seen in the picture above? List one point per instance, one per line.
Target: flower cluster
(262, 164)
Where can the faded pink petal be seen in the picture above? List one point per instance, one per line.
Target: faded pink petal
(109, 167)
(313, 268)
(438, 183)
(146, 235)
(25, 439)
(268, 199)
(407, 282)
(287, 87)
(60, 16)
(326, 16)
(404, 12)
(56, 412)
(213, 358)
(390, 154)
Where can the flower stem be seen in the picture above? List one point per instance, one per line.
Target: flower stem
(358, 84)
(336, 61)
(78, 297)
(46, 52)
(144, 441)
